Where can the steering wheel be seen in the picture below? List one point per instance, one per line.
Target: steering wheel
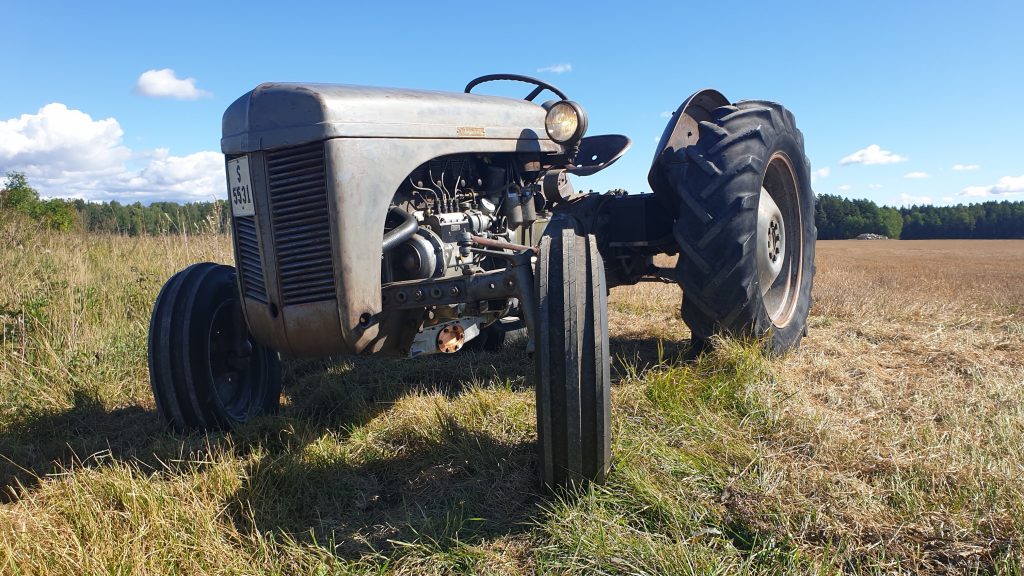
(540, 84)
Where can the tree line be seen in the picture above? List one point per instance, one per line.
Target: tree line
(18, 197)
(838, 218)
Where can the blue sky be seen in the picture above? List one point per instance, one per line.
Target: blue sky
(899, 102)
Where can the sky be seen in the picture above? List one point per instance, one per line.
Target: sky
(900, 102)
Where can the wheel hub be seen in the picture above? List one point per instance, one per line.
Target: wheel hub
(771, 241)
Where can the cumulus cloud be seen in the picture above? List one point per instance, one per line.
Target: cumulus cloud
(164, 84)
(59, 138)
(820, 173)
(561, 68)
(965, 167)
(667, 114)
(916, 175)
(910, 199)
(66, 153)
(873, 154)
(845, 187)
(874, 186)
(1006, 186)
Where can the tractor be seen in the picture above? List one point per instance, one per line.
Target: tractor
(411, 222)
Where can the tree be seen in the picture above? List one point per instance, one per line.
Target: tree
(56, 214)
(17, 195)
(892, 222)
(839, 218)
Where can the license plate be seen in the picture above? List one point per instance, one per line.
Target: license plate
(240, 187)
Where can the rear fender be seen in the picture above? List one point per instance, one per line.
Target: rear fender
(680, 133)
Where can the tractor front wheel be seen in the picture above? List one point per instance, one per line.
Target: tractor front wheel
(572, 360)
(204, 367)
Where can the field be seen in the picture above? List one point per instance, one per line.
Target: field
(892, 442)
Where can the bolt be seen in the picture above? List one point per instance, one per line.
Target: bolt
(418, 295)
(454, 291)
(510, 283)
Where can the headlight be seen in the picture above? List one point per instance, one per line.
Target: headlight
(565, 122)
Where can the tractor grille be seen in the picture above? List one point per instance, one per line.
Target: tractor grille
(249, 264)
(296, 180)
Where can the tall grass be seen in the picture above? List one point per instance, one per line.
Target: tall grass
(890, 443)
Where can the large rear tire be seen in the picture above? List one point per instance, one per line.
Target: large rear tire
(746, 226)
(572, 360)
(204, 374)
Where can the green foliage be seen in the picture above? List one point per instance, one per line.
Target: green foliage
(838, 218)
(987, 220)
(135, 219)
(55, 214)
(155, 219)
(17, 195)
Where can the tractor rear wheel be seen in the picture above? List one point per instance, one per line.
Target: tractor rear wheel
(205, 369)
(746, 226)
(572, 360)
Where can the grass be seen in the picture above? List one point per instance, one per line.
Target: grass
(890, 443)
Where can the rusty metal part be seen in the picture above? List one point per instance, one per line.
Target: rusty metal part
(499, 245)
(451, 338)
(514, 281)
(504, 283)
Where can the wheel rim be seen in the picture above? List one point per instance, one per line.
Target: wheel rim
(779, 240)
(235, 382)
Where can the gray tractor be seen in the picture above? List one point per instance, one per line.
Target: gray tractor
(409, 222)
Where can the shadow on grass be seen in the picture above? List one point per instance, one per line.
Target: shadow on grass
(465, 486)
(444, 487)
(42, 444)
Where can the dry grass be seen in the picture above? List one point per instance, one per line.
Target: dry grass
(892, 442)
(903, 415)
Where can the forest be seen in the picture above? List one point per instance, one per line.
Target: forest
(837, 218)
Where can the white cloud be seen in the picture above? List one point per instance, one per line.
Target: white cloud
(916, 175)
(58, 138)
(874, 186)
(820, 173)
(561, 68)
(667, 114)
(1007, 186)
(164, 84)
(198, 176)
(873, 154)
(965, 167)
(910, 199)
(845, 187)
(65, 153)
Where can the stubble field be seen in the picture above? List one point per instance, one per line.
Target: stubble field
(893, 441)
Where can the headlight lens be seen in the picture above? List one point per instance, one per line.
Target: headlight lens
(565, 122)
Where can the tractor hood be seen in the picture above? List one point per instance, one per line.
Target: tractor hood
(276, 115)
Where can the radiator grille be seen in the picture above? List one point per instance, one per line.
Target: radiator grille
(249, 264)
(296, 180)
